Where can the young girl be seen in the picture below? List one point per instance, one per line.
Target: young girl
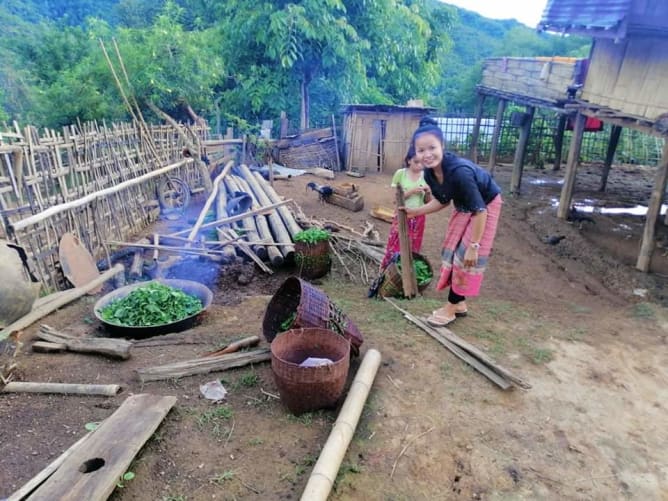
(416, 193)
(472, 225)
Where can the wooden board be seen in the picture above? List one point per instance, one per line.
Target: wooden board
(353, 204)
(108, 453)
(76, 262)
(382, 213)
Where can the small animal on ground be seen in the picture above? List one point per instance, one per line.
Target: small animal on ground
(323, 190)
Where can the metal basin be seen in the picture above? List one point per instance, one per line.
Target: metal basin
(188, 286)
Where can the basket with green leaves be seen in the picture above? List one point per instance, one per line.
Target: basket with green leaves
(312, 254)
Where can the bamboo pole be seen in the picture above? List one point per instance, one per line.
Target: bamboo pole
(69, 296)
(107, 390)
(408, 279)
(57, 209)
(324, 472)
(248, 224)
(209, 201)
(287, 217)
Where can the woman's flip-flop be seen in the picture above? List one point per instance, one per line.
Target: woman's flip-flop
(440, 321)
(436, 313)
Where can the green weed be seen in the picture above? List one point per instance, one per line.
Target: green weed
(248, 380)
(541, 356)
(643, 310)
(255, 441)
(223, 477)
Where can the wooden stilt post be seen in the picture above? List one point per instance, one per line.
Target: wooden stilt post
(610, 155)
(653, 212)
(559, 142)
(473, 151)
(520, 152)
(498, 123)
(571, 167)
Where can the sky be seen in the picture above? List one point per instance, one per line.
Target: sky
(525, 11)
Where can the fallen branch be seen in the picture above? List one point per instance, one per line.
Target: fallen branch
(112, 347)
(203, 365)
(405, 448)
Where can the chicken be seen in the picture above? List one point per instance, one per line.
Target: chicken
(323, 190)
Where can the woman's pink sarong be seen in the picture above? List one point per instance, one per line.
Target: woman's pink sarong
(467, 281)
(415, 228)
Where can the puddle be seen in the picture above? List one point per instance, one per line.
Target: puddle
(546, 182)
(638, 210)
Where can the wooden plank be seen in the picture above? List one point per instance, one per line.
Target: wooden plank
(91, 472)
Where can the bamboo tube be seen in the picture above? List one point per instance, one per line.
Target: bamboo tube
(107, 390)
(287, 217)
(62, 300)
(274, 255)
(229, 252)
(57, 209)
(209, 201)
(326, 468)
(248, 224)
(277, 226)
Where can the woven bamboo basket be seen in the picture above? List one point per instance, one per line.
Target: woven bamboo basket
(310, 307)
(305, 389)
(392, 285)
(313, 260)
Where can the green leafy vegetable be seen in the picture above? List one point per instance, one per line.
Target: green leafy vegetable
(422, 272)
(287, 323)
(312, 236)
(152, 304)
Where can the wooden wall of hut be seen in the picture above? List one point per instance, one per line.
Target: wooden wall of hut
(50, 182)
(377, 140)
(629, 76)
(538, 77)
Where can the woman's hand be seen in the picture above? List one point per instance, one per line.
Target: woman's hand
(470, 257)
(410, 211)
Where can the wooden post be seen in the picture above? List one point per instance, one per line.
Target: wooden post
(520, 152)
(571, 167)
(653, 212)
(284, 125)
(473, 151)
(498, 123)
(610, 155)
(408, 279)
(559, 142)
(336, 144)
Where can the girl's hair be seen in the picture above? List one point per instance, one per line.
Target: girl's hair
(428, 126)
(410, 154)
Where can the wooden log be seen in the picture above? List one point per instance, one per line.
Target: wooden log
(137, 266)
(278, 228)
(236, 346)
(203, 365)
(57, 209)
(408, 279)
(238, 217)
(46, 347)
(326, 468)
(51, 306)
(648, 243)
(520, 152)
(111, 347)
(285, 214)
(39, 479)
(92, 472)
(107, 390)
(273, 253)
(571, 166)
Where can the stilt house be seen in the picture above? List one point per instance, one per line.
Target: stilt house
(621, 83)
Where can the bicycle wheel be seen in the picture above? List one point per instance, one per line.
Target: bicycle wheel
(173, 194)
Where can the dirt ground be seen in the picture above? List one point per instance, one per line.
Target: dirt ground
(574, 319)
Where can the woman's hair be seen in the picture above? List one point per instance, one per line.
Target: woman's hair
(428, 126)
(410, 154)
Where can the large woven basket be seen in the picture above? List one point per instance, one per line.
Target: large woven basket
(313, 260)
(310, 307)
(392, 285)
(305, 389)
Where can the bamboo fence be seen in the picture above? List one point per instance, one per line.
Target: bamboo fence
(94, 180)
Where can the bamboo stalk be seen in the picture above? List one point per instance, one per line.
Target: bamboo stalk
(324, 472)
(287, 217)
(107, 390)
(209, 201)
(57, 209)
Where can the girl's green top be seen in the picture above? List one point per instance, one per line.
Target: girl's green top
(401, 178)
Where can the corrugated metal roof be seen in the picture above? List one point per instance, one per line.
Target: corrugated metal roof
(564, 15)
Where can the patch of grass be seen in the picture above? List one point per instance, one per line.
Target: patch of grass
(213, 419)
(248, 379)
(306, 419)
(445, 369)
(223, 477)
(577, 334)
(541, 356)
(643, 310)
(342, 478)
(255, 441)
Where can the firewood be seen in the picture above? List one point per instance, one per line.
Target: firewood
(111, 347)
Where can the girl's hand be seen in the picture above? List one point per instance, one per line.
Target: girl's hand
(410, 212)
(470, 257)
